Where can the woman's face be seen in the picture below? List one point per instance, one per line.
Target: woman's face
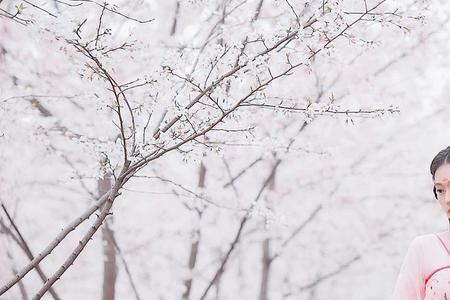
(442, 185)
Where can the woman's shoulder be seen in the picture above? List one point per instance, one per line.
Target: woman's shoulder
(433, 235)
(427, 235)
(424, 238)
(427, 238)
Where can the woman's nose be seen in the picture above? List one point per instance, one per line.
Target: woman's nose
(447, 198)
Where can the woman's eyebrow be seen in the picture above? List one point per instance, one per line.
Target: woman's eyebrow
(438, 183)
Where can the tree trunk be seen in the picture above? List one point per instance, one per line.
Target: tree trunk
(194, 246)
(266, 258)
(266, 261)
(192, 261)
(175, 18)
(109, 252)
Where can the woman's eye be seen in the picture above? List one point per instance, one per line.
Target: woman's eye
(439, 191)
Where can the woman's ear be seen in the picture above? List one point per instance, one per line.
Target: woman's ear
(434, 192)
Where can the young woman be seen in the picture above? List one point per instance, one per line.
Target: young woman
(425, 272)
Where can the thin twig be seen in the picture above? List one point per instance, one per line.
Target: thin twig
(114, 11)
(127, 269)
(40, 8)
(100, 24)
(244, 220)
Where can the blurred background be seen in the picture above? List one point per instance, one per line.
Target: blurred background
(312, 189)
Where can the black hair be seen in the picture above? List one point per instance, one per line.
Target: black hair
(443, 157)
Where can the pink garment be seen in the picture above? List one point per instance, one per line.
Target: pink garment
(425, 271)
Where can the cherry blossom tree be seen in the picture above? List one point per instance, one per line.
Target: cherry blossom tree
(160, 96)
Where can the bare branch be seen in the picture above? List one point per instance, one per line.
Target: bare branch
(330, 274)
(329, 111)
(295, 13)
(296, 232)
(68, 4)
(24, 246)
(114, 11)
(194, 194)
(21, 285)
(64, 232)
(40, 8)
(244, 220)
(104, 212)
(127, 269)
(99, 24)
(117, 91)
(242, 172)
